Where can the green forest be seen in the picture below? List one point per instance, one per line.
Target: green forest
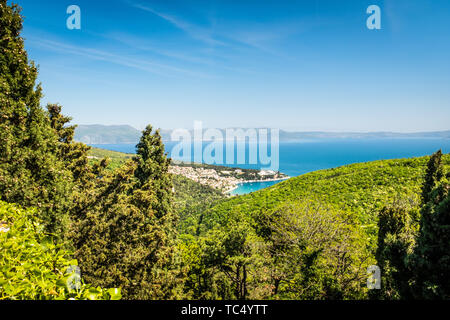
(135, 231)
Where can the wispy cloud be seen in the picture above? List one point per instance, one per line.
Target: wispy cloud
(195, 31)
(141, 44)
(257, 36)
(118, 59)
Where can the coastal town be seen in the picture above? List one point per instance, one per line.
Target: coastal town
(222, 178)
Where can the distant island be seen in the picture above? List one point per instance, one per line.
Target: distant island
(125, 134)
(101, 134)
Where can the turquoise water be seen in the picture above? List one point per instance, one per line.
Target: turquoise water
(297, 158)
(244, 188)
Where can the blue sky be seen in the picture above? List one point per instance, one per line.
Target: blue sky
(295, 65)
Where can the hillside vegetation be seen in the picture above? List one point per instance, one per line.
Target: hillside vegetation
(116, 159)
(190, 198)
(360, 189)
(310, 237)
(33, 266)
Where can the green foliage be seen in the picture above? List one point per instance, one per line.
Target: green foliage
(398, 227)
(433, 175)
(115, 159)
(113, 155)
(33, 266)
(431, 259)
(153, 191)
(31, 172)
(223, 265)
(336, 207)
(316, 252)
(118, 222)
(124, 232)
(298, 251)
(361, 190)
(190, 199)
(414, 250)
(74, 155)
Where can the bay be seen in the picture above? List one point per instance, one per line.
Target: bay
(297, 158)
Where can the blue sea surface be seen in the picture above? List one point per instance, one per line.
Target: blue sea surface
(297, 158)
(249, 187)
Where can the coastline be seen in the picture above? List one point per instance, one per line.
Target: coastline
(225, 179)
(236, 186)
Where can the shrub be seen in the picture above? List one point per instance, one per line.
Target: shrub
(33, 266)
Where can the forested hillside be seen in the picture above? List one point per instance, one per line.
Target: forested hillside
(310, 237)
(360, 189)
(190, 198)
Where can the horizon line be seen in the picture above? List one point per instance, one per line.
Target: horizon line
(281, 129)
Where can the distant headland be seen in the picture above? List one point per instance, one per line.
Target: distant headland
(126, 134)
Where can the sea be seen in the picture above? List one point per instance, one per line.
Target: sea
(297, 158)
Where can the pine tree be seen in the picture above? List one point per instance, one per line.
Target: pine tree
(31, 172)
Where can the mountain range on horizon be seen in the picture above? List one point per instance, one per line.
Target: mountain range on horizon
(126, 134)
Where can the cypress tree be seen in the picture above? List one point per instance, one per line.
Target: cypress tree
(120, 223)
(416, 264)
(396, 238)
(433, 175)
(152, 173)
(124, 231)
(431, 260)
(31, 173)
(152, 194)
(73, 154)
